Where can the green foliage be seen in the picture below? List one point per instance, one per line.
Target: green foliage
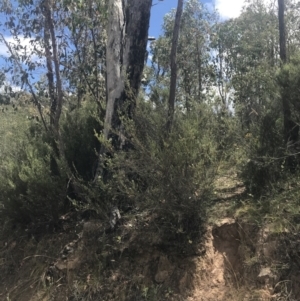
(288, 79)
(235, 59)
(193, 54)
(172, 177)
(81, 145)
(30, 193)
(265, 153)
(246, 50)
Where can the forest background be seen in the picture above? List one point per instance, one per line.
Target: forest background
(101, 119)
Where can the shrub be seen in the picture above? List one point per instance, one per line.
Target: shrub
(30, 193)
(269, 158)
(265, 152)
(172, 176)
(81, 145)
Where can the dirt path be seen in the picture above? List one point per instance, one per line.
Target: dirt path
(218, 272)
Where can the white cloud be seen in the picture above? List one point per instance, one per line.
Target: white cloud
(24, 42)
(9, 39)
(13, 87)
(231, 8)
(3, 49)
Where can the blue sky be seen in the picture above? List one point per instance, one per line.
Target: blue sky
(226, 8)
(159, 9)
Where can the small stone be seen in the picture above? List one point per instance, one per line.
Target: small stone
(266, 276)
(265, 272)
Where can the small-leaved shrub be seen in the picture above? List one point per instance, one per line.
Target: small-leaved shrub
(30, 194)
(171, 176)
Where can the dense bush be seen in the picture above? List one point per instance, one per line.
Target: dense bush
(81, 145)
(270, 158)
(172, 176)
(30, 193)
(265, 153)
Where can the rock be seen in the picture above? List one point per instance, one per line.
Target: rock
(225, 221)
(115, 216)
(265, 272)
(266, 276)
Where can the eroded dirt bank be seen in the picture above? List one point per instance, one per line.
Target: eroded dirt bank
(235, 263)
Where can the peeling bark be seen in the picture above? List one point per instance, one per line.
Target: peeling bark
(56, 97)
(114, 60)
(128, 24)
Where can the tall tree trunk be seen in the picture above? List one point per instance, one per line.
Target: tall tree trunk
(52, 58)
(50, 74)
(114, 60)
(128, 24)
(55, 93)
(199, 63)
(51, 89)
(220, 80)
(173, 82)
(290, 127)
(282, 38)
(48, 8)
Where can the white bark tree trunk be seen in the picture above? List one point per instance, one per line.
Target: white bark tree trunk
(173, 60)
(127, 36)
(114, 59)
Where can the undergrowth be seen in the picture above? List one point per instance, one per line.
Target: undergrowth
(173, 177)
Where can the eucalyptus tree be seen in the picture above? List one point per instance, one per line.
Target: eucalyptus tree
(195, 71)
(84, 63)
(288, 124)
(62, 41)
(34, 21)
(287, 80)
(173, 59)
(247, 59)
(292, 19)
(127, 37)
